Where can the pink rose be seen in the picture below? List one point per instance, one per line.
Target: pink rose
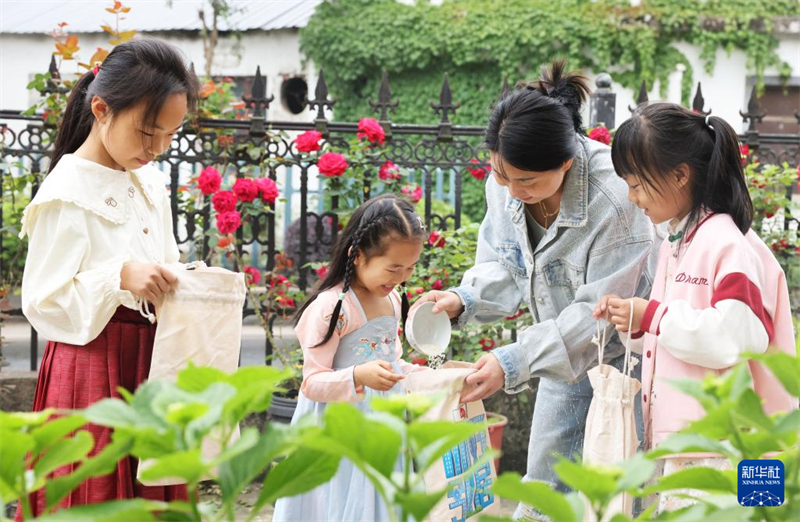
(478, 172)
(332, 164)
(245, 189)
(308, 141)
(744, 151)
(437, 285)
(209, 181)
(369, 128)
(224, 201)
(322, 271)
(414, 193)
(600, 134)
(389, 172)
(228, 222)
(436, 240)
(253, 275)
(269, 190)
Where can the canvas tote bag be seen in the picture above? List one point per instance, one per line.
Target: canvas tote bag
(611, 423)
(199, 321)
(471, 495)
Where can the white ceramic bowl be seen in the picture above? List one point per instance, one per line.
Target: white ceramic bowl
(428, 333)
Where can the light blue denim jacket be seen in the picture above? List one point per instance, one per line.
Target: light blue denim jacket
(598, 245)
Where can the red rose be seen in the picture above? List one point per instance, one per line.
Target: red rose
(209, 181)
(268, 189)
(224, 241)
(414, 193)
(768, 215)
(245, 189)
(744, 150)
(436, 240)
(253, 275)
(420, 361)
(437, 285)
(419, 290)
(286, 303)
(389, 172)
(332, 164)
(308, 141)
(478, 172)
(322, 271)
(370, 128)
(228, 222)
(278, 280)
(600, 134)
(798, 172)
(225, 141)
(224, 201)
(486, 344)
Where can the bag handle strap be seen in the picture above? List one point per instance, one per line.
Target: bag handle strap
(628, 352)
(600, 340)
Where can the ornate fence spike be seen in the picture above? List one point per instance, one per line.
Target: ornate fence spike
(699, 102)
(754, 112)
(385, 103)
(321, 102)
(259, 102)
(445, 105)
(603, 105)
(641, 98)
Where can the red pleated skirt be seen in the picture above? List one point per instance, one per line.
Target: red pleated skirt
(74, 377)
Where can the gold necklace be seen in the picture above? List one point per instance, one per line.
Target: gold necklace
(545, 213)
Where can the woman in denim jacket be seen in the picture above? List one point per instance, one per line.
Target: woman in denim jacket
(559, 234)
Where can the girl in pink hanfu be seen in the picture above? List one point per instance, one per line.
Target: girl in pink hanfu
(348, 330)
(718, 290)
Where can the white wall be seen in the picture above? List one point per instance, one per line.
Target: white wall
(277, 52)
(725, 89)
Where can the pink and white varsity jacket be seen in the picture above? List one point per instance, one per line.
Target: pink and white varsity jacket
(716, 294)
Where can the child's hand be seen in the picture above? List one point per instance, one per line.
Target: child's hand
(620, 313)
(147, 280)
(602, 305)
(377, 375)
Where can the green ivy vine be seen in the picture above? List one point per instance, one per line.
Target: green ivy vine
(479, 42)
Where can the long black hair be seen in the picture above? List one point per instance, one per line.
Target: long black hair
(143, 70)
(370, 230)
(535, 126)
(661, 136)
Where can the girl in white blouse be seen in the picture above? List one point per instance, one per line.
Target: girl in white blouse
(100, 236)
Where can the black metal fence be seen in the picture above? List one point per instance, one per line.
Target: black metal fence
(428, 150)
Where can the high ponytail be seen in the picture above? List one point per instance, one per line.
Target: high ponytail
(660, 137)
(535, 127)
(144, 70)
(77, 122)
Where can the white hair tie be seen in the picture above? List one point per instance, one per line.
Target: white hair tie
(708, 124)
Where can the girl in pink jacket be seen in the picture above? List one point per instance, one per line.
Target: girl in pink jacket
(718, 290)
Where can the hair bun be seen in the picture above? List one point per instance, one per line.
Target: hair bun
(570, 88)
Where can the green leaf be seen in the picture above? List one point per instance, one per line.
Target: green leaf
(182, 414)
(55, 429)
(789, 424)
(696, 390)
(786, 369)
(300, 472)
(113, 413)
(419, 504)
(416, 404)
(432, 440)
(689, 443)
(64, 452)
(198, 378)
(247, 439)
(539, 495)
(751, 412)
(241, 470)
(702, 479)
(137, 509)
(187, 465)
(598, 483)
(635, 472)
(377, 444)
(16, 446)
(101, 464)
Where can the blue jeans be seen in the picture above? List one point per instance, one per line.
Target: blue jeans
(559, 423)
